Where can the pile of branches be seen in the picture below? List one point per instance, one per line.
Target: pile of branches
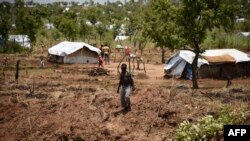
(98, 72)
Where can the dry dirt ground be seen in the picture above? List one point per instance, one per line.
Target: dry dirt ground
(64, 103)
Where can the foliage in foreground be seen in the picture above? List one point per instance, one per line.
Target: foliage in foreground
(208, 127)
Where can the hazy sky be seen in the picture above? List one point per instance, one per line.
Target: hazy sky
(51, 1)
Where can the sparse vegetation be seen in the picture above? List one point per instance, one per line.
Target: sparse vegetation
(218, 38)
(210, 127)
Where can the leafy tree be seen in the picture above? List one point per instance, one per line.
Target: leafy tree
(5, 20)
(69, 28)
(67, 23)
(198, 16)
(93, 15)
(101, 29)
(55, 34)
(116, 29)
(134, 26)
(244, 8)
(27, 20)
(34, 23)
(142, 41)
(20, 17)
(85, 30)
(114, 12)
(160, 25)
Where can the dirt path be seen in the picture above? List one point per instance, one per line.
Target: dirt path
(151, 70)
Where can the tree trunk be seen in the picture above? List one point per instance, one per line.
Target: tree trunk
(194, 65)
(163, 55)
(100, 39)
(194, 70)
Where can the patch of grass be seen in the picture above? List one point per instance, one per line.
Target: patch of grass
(220, 91)
(218, 38)
(11, 47)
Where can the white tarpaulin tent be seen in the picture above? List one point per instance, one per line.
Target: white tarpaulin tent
(74, 52)
(176, 64)
(246, 34)
(22, 40)
(184, 58)
(121, 38)
(237, 55)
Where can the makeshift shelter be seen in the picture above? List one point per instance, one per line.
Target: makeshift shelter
(121, 38)
(245, 34)
(179, 65)
(22, 40)
(49, 26)
(218, 63)
(74, 53)
(225, 63)
(119, 46)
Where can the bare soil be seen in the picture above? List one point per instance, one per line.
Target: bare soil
(63, 102)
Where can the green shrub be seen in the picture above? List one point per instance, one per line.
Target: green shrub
(243, 26)
(208, 126)
(218, 38)
(11, 47)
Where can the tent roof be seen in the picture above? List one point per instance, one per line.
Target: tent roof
(235, 54)
(121, 38)
(19, 38)
(118, 46)
(65, 48)
(188, 56)
(22, 40)
(219, 59)
(245, 34)
(178, 61)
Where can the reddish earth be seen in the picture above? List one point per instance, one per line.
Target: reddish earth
(65, 103)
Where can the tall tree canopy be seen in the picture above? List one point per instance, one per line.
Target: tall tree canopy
(198, 16)
(160, 25)
(5, 20)
(27, 20)
(67, 23)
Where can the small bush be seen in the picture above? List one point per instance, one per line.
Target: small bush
(11, 47)
(218, 38)
(207, 127)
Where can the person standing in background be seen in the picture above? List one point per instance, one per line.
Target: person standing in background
(106, 51)
(100, 62)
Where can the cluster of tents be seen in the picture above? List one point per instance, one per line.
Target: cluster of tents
(216, 63)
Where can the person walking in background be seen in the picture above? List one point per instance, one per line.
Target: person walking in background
(106, 51)
(42, 62)
(100, 61)
(127, 51)
(127, 85)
